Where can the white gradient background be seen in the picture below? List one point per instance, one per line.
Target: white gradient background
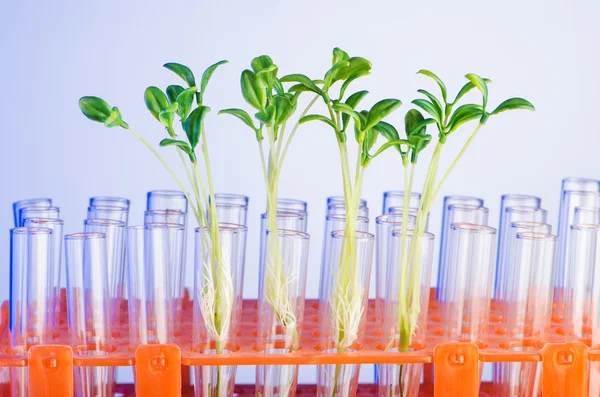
(54, 52)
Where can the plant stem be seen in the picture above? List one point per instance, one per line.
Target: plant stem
(294, 129)
(456, 160)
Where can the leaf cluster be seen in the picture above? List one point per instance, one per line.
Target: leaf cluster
(447, 115)
(368, 124)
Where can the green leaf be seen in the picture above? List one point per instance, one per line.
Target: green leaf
(430, 108)
(267, 116)
(464, 114)
(514, 104)
(156, 100)
(355, 65)
(370, 139)
(339, 55)
(354, 99)
(242, 115)
(331, 75)
(94, 108)
(411, 119)
(436, 102)
(266, 77)
(420, 128)
(185, 100)
(278, 87)
(180, 144)
(252, 91)
(304, 80)
(317, 117)
(283, 108)
(167, 115)
(194, 125)
(206, 77)
(348, 112)
(173, 92)
(350, 79)
(115, 119)
(419, 143)
(261, 62)
(388, 131)
(481, 86)
(465, 89)
(437, 80)
(381, 110)
(182, 71)
(397, 143)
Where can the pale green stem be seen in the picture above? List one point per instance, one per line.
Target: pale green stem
(190, 179)
(293, 133)
(456, 160)
(164, 163)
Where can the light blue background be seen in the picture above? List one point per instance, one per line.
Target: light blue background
(54, 52)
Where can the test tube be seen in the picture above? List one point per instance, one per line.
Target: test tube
(411, 211)
(89, 310)
(114, 234)
(335, 222)
(287, 204)
(109, 201)
(384, 225)
(164, 216)
(231, 198)
(512, 214)
(528, 312)
(340, 209)
(395, 198)
(586, 216)
(342, 201)
(281, 310)
(56, 225)
(39, 212)
(215, 327)
(108, 212)
(31, 296)
(503, 278)
(35, 202)
(166, 200)
(231, 208)
(286, 220)
(407, 292)
(469, 281)
(456, 213)
(152, 298)
(570, 200)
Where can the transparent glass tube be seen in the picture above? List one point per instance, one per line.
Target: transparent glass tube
(152, 300)
(31, 297)
(110, 201)
(286, 220)
(232, 213)
(529, 312)
(217, 287)
(570, 200)
(231, 198)
(504, 280)
(583, 284)
(395, 198)
(231, 208)
(108, 212)
(407, 292)
(343, 310)
(281, 310)
(341, 200)
(586, 216)
(39, 212)
(35, 202)
(333, 223)
(411, 211)
(340, 209)
(164, 216)
(89, 310)
(456, 213)
(469, 282)
(114, 234)
(166, 200)
(56, 225)
(287, 204)
(384, 225)
(510, 215)
(581, 184)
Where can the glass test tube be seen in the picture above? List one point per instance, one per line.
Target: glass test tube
(395, 198)
(35, 202)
